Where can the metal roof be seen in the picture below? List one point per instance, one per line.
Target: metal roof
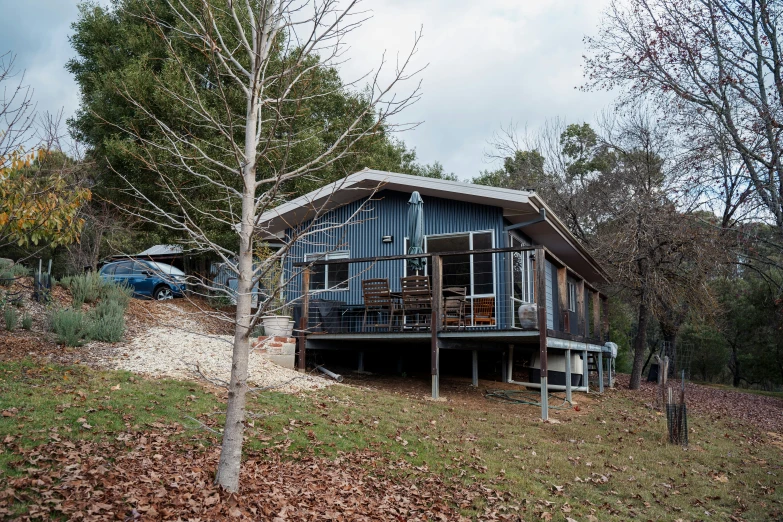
(161, 250)
(517, 205)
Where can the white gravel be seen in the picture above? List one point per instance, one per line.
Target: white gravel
(185, 353)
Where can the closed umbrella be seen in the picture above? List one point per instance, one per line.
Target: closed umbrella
(416, 231)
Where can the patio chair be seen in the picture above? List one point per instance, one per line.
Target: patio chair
(454, 304)
(378, 301)
(416, 301)
(484, 311)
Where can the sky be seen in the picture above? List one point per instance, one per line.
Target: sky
(489, 63)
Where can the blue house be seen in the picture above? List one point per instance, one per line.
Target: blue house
(486, 242)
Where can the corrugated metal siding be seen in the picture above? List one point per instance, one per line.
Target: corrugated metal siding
(386, 215)
(550, 304)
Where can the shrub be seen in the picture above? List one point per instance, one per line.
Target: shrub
(119, 293)
(27, 322)
(70, 326)
(109, 328)
(6, 278)
(11, 318)
(85, 288)
(21, 270)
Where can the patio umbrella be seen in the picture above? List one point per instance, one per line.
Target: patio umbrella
(416, 231)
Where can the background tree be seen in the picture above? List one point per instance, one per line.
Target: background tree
(230, 109)
(39, 194)
(621, 188)
(715, 60)
(122, 58)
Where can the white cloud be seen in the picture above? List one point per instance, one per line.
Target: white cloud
(490, 62)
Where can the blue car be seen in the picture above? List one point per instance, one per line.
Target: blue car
(147, 278)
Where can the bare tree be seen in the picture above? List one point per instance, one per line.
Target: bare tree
(719, 60)
(240, 133)
(17, 110)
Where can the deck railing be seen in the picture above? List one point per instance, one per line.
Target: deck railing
(331, 310)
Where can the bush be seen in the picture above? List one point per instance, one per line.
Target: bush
(21, 270)
(119, 293)
(85, 288)
(11, 318)
(27, 322)
(6, 278)
(70, 326)
(109, 328)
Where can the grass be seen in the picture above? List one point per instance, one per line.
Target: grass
(609, 462)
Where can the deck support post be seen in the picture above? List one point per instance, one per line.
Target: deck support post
(475, 368)
(361, 362)
(568, 375)
(436, 269)
(304, 321)
(586, 371)
(541, 309)
(611, 372)
(510, 364)
(600, 372)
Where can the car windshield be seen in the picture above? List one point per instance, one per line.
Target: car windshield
(166, 269)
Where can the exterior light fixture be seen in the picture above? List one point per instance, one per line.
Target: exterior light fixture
(387, 239)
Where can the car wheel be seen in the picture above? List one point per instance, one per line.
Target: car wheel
(163, 293)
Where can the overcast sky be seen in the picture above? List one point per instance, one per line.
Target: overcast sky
(490, 63)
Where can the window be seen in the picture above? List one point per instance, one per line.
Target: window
(571, 297)
(329, 277)
(522, 272)
(123, 269)
(473, 272)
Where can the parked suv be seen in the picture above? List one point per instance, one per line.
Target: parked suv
(147, 278)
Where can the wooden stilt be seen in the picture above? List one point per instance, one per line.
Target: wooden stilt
(541, 309)
(435, 323)
(361, 362)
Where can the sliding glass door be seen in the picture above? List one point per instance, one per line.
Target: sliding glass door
(474, 273)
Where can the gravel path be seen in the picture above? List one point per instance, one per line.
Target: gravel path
(186, 352)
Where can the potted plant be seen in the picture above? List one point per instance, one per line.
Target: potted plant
(278, 321)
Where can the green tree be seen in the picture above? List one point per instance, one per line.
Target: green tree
(128, 68)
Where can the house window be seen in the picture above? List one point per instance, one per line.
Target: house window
(571, 297)
(473, 272)
(329, 277)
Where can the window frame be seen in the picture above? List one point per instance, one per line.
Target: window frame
(330, 256)
(468, 233)
(571, 295)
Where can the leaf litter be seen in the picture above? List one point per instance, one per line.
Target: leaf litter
(153, 475)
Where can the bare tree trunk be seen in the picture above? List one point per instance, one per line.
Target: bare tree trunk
(231, 450)
(640, 346)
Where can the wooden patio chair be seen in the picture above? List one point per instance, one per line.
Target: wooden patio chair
(484, 311)
(416, 301)
(454, 304)
(378, 301)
